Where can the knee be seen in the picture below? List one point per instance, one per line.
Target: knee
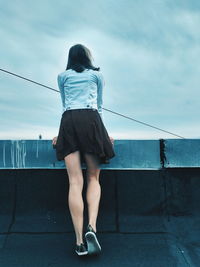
(92, 176)
(76, 181)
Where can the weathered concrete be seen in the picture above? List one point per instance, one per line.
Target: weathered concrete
(182, 153)
(39, 154)
(147, 217)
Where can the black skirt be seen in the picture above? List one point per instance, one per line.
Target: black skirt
(83, 130)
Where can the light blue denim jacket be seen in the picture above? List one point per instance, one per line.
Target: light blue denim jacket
(81, 89)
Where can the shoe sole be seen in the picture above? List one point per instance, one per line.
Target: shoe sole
(81, 253)
(92, 243)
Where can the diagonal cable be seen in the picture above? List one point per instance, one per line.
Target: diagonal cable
(119, 114)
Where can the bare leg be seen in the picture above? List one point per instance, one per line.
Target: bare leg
(75, 200)
(93, 188)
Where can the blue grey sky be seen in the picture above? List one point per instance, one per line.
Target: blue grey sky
(148, 52)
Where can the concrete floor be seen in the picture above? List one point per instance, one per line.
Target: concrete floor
(57, 249)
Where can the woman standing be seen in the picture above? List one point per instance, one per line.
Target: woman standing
(82, 137)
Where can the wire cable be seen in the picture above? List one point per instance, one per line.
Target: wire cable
(119, 114)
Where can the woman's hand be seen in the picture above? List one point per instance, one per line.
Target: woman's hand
(112, 140)
(54, 140)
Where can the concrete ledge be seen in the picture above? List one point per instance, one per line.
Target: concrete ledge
(39, 154)
(130, 154)
(182, 153)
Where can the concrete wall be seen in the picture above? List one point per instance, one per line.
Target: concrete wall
(130, 154)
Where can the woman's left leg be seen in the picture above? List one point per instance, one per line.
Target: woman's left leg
(75, 200)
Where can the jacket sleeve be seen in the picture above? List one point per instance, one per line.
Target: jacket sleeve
(100, 88)
(61, 88)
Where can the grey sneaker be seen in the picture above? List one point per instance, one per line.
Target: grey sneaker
(93, 245)
(81, 249)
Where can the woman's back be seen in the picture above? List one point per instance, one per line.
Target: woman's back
(81, 89)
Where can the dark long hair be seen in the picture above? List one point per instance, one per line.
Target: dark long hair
(80, 58)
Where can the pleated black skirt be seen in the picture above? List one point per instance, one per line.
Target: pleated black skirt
(83, 130)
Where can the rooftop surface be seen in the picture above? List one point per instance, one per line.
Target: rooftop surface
(149, 212)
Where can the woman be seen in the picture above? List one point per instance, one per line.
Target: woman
(83, 138)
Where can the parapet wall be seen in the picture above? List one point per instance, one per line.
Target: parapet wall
(130, 154)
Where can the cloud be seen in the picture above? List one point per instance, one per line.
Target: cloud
(147, 53)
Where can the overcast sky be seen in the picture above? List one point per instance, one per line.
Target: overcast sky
(148, 52)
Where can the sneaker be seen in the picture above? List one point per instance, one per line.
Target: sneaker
(92, 242)
(81, 249)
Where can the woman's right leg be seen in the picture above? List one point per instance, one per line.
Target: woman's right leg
(93, 188)
(75, 200)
